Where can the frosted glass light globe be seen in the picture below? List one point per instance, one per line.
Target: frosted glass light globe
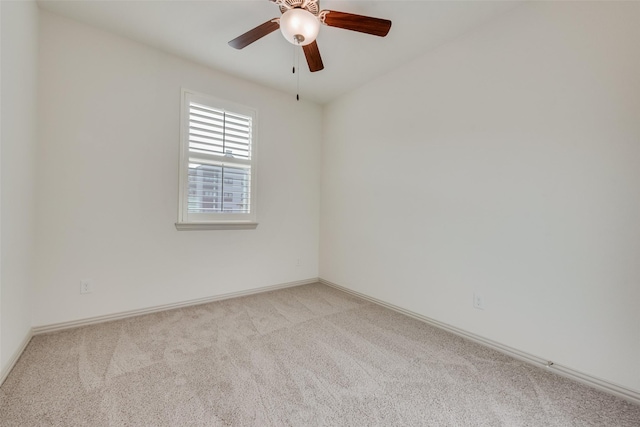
(299, 27)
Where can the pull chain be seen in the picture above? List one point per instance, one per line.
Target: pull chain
(298, 83)
(296, 64)
(293, 59)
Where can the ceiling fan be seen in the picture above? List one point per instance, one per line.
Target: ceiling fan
(300, 24)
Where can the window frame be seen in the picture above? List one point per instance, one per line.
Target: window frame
(215, 221)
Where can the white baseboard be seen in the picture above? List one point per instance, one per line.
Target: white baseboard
(597, 383)
(37, 330)
(16, 355)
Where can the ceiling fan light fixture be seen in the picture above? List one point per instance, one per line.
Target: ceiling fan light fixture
(299, 26)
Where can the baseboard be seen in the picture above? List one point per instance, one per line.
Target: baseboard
(16, 355)
(37, 330)
(597, 383)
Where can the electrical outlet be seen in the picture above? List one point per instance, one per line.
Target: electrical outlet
(298, 262)
(86, 286)
(478, 301)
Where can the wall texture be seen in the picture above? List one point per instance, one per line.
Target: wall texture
(19, 26)
(108, 181)
(503, 163)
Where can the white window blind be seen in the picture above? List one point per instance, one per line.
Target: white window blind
(213, 131)
(218, 159)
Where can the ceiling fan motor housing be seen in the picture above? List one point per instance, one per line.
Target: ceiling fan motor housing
(310, 5)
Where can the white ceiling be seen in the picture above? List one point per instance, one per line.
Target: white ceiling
(200, 30)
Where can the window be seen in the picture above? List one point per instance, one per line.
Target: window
(217, 164)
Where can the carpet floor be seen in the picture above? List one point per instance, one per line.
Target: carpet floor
(304, 356)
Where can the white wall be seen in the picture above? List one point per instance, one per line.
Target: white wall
(108, 181)
(19, 27)
(507, 163)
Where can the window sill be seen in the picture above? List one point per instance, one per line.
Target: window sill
(186, 226)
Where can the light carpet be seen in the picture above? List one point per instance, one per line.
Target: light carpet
(304, 356)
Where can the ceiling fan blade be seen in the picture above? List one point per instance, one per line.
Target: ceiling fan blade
(350, 21)
(312, 53)
(252, 35)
